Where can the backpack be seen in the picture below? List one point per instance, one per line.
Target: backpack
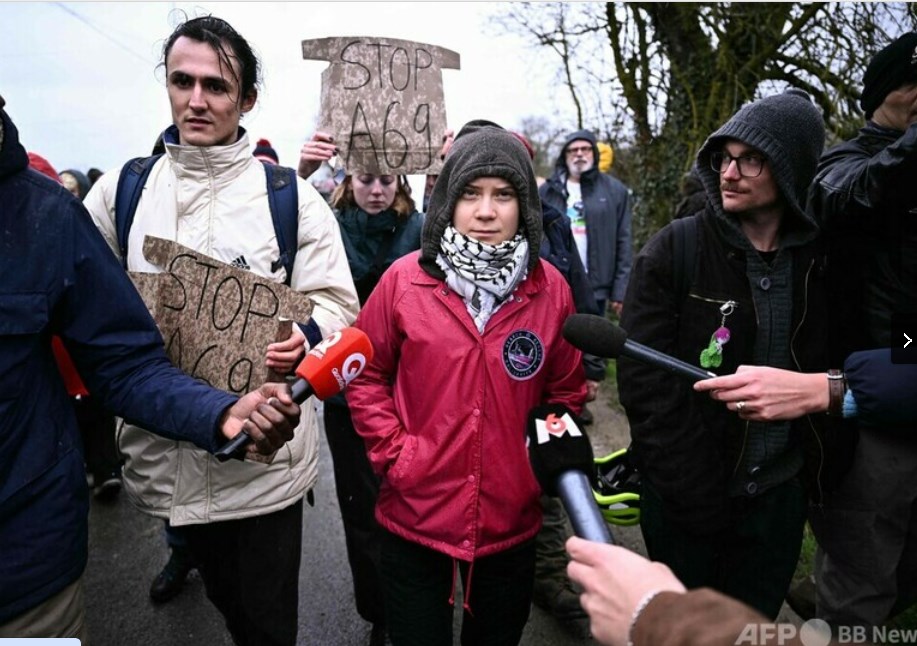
(684, 251)
(282, 195)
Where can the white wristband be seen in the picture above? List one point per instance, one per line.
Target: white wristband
(644, 602)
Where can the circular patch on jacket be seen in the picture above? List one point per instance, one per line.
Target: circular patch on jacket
(523, 354)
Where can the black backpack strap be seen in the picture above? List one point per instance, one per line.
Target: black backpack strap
(283, 197)
(130, 186)
(684, 252)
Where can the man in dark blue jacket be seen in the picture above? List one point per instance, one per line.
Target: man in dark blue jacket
(58, 277)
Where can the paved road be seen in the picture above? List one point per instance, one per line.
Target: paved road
(127, 550)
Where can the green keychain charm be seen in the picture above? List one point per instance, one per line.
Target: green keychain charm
(712, 355)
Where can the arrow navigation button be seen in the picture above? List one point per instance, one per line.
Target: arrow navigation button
(903, 338)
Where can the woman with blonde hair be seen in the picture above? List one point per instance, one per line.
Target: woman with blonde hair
(379, 223)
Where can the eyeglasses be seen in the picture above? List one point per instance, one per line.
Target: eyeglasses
(584, 150)
(748, 165)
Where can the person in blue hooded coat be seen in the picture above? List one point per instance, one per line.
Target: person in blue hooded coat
(58, 277)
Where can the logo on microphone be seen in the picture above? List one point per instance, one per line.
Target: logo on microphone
(523, 354)
(553, 426)
(350, 369)
(321, 348)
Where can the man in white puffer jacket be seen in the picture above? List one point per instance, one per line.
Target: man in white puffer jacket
(208, 193)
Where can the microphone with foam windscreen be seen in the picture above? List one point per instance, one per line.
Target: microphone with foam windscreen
(599, 336)
(561, 456)
(324, 372)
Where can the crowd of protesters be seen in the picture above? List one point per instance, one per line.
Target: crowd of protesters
(784, 272)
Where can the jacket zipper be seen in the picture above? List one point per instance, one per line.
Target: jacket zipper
(802, 319)
(712, 300)
(735, 469)
(821, 447)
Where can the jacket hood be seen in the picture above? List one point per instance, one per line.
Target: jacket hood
(789, 131)
(481, 149)
(560, 163)
(13, 157)
(83, 184)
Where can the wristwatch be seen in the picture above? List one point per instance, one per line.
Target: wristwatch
(837, 388)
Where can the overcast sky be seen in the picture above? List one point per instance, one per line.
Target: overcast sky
(81, 84)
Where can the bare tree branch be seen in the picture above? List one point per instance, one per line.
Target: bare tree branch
(682, 69)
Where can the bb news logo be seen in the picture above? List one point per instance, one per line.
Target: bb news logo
(817, 632)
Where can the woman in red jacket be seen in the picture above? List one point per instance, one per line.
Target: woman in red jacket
(467, 339)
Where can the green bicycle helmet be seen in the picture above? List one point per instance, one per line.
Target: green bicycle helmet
(617, 489)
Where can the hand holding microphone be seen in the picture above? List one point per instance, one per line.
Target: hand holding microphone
(325, 371)
(598, 336)
(268, 415)
(561, 458)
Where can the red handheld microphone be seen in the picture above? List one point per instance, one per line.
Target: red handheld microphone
(324, 372)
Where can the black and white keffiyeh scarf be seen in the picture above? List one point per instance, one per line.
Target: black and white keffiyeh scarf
(484, 275)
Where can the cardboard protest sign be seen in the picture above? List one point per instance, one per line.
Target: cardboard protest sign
(382, 100)
(217, 320)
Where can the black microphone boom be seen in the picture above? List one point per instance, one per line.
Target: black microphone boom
(598, 336)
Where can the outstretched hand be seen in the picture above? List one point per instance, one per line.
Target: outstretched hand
(269, 416)
(614, 581)
(764, 394)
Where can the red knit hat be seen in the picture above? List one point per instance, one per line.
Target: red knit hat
(264, 152)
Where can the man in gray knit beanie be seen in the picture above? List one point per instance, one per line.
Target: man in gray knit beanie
(724, 497)
(786, 129)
